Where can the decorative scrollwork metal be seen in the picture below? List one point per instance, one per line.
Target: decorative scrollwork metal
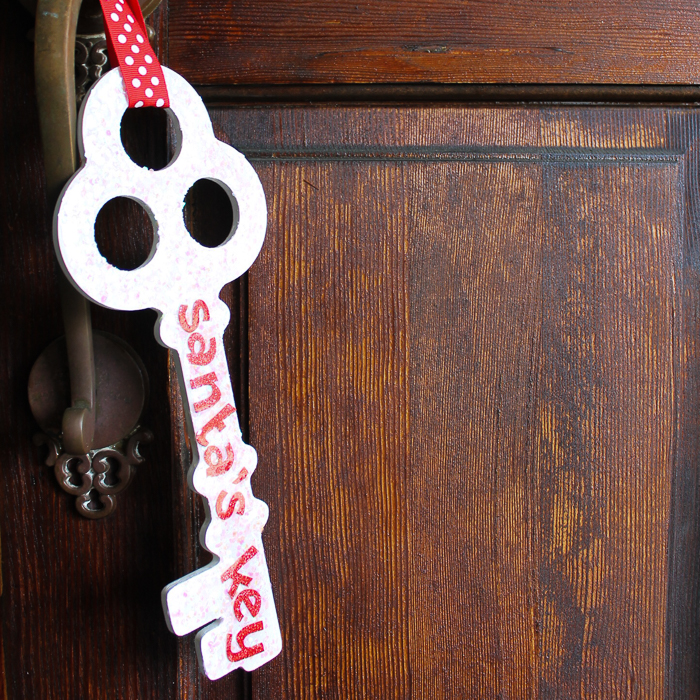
(97, 477)
(91, 61)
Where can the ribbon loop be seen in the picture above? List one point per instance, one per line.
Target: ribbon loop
(129, 48)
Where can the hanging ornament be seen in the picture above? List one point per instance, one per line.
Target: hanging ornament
(182, 280)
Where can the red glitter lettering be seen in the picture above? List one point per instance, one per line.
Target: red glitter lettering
(251, 599)
(236, 503)
(201, 356)
(198, 306)
(217, 464)
(234, 575)
(206, 380)
(245, 652)
(216, 422)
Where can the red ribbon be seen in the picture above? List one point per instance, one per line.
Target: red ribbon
(128, 47)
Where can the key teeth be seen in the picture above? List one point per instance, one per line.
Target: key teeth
(196, 600)
(179, 598)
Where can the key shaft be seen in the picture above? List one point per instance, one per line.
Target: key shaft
(236, 588)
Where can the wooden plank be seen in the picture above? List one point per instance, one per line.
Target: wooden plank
(453, 41)
(336, 487)
(468, 331)
(476, 317)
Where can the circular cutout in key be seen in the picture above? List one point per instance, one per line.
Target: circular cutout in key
(210, 212)
(124, 233)
(150, 136)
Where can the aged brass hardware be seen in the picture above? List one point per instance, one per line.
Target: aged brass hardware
(54, 41)
(95, 477)
(99, 427)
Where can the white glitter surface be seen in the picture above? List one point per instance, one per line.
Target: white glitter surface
(244, 631)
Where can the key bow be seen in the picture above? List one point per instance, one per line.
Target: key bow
(178, 265)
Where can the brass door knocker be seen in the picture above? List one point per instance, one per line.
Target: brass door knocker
(86, 390)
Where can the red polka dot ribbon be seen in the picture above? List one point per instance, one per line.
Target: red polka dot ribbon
(129, 48)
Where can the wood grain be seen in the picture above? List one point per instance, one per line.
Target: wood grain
(452, 41)
(480, 467)
(470, 345)
(339, 485)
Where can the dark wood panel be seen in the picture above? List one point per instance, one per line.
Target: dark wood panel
(337, 459)
(498, 306)
(454, 41)
(473, 363)
(532, 423)
(476, 318)
(607, 426)
(683, 620)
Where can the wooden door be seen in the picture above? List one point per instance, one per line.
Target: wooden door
(467, 357)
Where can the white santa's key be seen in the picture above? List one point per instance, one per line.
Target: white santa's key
(182, 280)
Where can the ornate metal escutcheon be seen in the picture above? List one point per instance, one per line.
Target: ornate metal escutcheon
(96, 476)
